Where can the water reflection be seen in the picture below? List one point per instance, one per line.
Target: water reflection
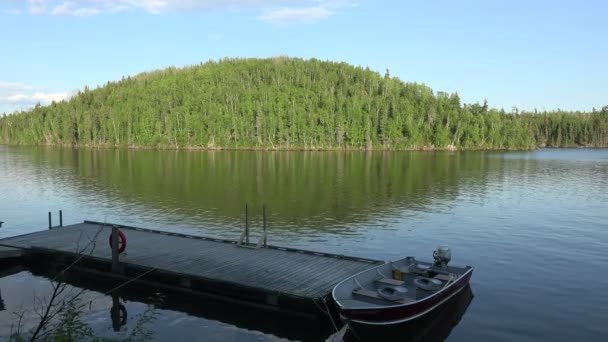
(512, 215)
(305, 192)
(324, 191)
(435, 326)
(208, 310)
(201, 309)
(2, 305)
(118, 313)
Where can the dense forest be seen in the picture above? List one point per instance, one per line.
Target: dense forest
(289, 103)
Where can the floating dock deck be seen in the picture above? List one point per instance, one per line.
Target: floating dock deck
(275, 277)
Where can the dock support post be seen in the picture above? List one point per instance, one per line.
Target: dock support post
(246, 224)
(264, 218)
(60, 218)
(114, 239)
(50, 222)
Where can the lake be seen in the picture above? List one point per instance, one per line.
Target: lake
(533, 224)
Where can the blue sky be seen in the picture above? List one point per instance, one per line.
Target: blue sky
(529, 54)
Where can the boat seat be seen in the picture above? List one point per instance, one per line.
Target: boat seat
(406, 271)
(375, 295)
(388, 281)
(441, 276)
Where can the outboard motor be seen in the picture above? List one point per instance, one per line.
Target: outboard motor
(442, 256)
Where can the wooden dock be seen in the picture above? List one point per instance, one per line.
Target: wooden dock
(9, 252)
(281, 278)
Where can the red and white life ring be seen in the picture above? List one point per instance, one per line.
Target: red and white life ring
(122, 241)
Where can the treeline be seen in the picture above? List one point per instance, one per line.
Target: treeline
(288, 103)
(566, 129)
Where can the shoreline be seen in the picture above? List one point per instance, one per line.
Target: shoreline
(303, 149)
(290, 149)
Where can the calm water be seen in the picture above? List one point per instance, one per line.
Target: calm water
(534, 224)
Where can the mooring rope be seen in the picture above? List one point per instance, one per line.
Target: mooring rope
(325, 312)
(329, 314)
(130, 281)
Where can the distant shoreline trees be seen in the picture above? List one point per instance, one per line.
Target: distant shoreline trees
(289, 103)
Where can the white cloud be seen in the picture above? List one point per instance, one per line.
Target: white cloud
(18, 96)
(288, 15)
(44, 98)
(38, 7)
(72, 8)
(13, 86)
(93, 7)
(161, 6)
(274, 11)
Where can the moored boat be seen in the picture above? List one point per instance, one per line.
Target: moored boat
(399, 291)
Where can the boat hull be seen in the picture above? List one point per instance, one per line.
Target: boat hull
(437, 325)
(404, 313)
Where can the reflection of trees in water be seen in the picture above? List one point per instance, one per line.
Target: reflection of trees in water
(297, 187)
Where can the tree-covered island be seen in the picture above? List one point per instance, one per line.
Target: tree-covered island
(289, 103)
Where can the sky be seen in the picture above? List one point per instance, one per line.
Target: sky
(540, 54)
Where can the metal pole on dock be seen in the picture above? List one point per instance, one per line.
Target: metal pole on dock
(114, 239)
(60, 218)
(50, 222)
(264, 218)
(246, 225)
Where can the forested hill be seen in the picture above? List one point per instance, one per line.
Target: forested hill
(288, 103)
